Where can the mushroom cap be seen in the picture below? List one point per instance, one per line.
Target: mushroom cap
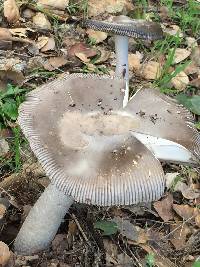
(162, 117)
(123, 25)
(83, 141)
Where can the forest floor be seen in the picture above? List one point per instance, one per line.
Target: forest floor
(41, 40)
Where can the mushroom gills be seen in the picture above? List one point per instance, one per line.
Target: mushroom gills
(166, 150)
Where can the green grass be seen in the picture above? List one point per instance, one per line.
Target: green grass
(185, 16)
(9, 104)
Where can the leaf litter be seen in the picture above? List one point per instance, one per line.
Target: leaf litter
(39, 41)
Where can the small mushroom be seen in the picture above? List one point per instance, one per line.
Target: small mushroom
(82, 138)
(167, 128)
(124, 27)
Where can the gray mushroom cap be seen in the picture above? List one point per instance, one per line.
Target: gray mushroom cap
(83, 141)
(125, 26)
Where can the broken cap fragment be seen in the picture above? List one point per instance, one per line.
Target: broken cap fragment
(85, 145)
(162, 117)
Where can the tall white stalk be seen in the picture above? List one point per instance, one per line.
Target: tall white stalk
(122, 69)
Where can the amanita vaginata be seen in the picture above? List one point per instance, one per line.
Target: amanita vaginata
(123, 28)
(79, 132)
(89, 146)
(174, 137)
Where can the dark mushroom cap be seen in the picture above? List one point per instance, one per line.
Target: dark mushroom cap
(83, 141)
(123, 25)
(161, 116)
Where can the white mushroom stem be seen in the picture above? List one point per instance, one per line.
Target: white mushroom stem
(121, 50)
(43, 221)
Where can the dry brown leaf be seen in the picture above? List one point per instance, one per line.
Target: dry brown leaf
(184, 211)
(11, 11)
(172, 30)
(4, 254)
(151, 70)
(195, 56)
(5, 34)
(53, 4)
(191, 69)
(55, 63)
(164, 208)
(42, 41)
(28, 13)
(20, 32)
(191, 42)
(82, 57)
(96, 7)
(187, 191)
(50, 45)
(196, 83)
(41, 21)
(2, 210)
(81, 48)
(134, 61)
(131, 232)
(105, 55)
(4, 147)
(180, 81)
(180, 55)
(97, 35)
(179, 235)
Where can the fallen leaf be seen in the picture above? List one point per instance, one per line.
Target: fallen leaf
(151, 70)
(41, 21)
(82, 57)
(197, 219)
(50, 45)
(4, 254)
(4, 147)
(196, 83)
(195, 56)
(2, 211)
(53, 4)
(55, 63)
(164, 208)
(180, 55)
(5, 34)
(134, 61)
(96, 7)
(111, 252)
(97, 35)
(184, 211)
(108, 227)
(191, 68)
(179, 235)
(180, 81)
(11, 11)
(104, 56)
(130, 231)
(191, 42)
(172, 30)
(28, 13)
(20, 32)
(42, 41)
(81, 48)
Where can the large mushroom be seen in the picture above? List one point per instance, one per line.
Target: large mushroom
(167, 128)
(78, 130)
